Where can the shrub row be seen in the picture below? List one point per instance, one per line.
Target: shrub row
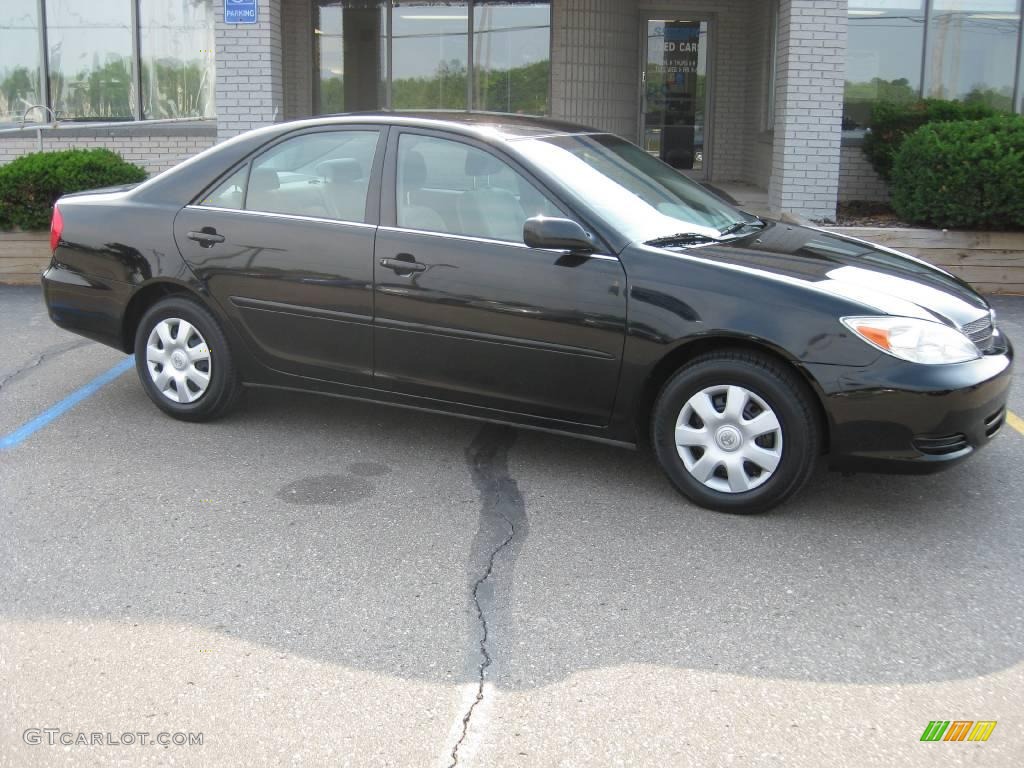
(891, 123)
(31, 184)
(966, 174)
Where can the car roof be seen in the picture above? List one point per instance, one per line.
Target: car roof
(500, 124)
(181, 182)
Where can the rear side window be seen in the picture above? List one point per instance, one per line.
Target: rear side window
(324, 175)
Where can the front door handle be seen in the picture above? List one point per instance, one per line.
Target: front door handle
(404, 265)
(206, 237)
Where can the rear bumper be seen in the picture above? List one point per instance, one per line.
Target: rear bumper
(89, 306)
(905, 418)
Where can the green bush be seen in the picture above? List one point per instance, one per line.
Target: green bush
(967, 174)
(30, 185)
(891, 123)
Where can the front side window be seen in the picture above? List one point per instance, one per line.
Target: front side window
(323, 175)
(641, 196)
(176, 43)
(90, 57)
(19, 61)
(451, 187)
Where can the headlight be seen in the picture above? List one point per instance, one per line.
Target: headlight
(919, 341)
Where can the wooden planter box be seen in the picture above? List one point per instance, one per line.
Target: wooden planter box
(993, 262)
(23, 257)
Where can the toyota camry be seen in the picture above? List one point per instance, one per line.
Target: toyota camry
(533, 273)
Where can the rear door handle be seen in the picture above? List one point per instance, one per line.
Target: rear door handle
(206, 237)
(402, 265)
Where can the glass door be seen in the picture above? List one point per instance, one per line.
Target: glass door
(675, 93)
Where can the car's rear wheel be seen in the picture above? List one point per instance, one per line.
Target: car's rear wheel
(736, 431)
(184, 362)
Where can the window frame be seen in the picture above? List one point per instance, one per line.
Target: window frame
(389, 185)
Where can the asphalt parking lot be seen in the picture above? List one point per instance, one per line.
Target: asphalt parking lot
(309, 581)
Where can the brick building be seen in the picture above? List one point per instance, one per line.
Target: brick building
(773, 94)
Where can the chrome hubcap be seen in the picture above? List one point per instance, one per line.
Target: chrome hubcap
(178, 360)
(729, 438)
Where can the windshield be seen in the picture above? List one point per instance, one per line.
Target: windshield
(643, 197)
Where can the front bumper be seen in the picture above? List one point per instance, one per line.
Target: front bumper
(900, 417)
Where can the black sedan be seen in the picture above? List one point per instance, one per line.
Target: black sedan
(534, 273)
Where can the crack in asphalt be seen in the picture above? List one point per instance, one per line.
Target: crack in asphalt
(45, 355)
(502, 508)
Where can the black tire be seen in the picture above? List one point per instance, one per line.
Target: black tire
(224, 387)
(780, 388)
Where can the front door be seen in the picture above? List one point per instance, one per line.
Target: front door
(675, 94)
(466, 312)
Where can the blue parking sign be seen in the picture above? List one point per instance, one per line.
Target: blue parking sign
(241, 11)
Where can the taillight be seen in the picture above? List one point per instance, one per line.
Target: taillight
(56, 228)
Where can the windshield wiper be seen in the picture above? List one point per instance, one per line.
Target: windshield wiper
(737, 226)
(681, 238)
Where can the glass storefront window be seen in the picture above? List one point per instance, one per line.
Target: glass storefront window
(19, 61)
(90, 57)
(429, 55)
(415, 54)
(511, 56)
(350, 36)
(176, 46)
(972, 51)
(901, 50)
(885, 41)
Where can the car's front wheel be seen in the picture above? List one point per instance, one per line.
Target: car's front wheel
(184, 362)
(736, 431)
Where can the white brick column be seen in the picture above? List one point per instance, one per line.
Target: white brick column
(250, 89)
(594, 63)
(810, 70)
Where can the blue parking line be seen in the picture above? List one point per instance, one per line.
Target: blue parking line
(12, 439)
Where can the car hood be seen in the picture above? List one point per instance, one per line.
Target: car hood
(880, 278)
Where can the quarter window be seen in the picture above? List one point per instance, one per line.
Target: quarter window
(324, 175)
(451, 187)
(230, 193)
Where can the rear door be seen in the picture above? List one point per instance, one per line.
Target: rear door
(285, 245)
(477, 317)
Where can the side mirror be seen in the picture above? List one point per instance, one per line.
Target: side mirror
(557, 234)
